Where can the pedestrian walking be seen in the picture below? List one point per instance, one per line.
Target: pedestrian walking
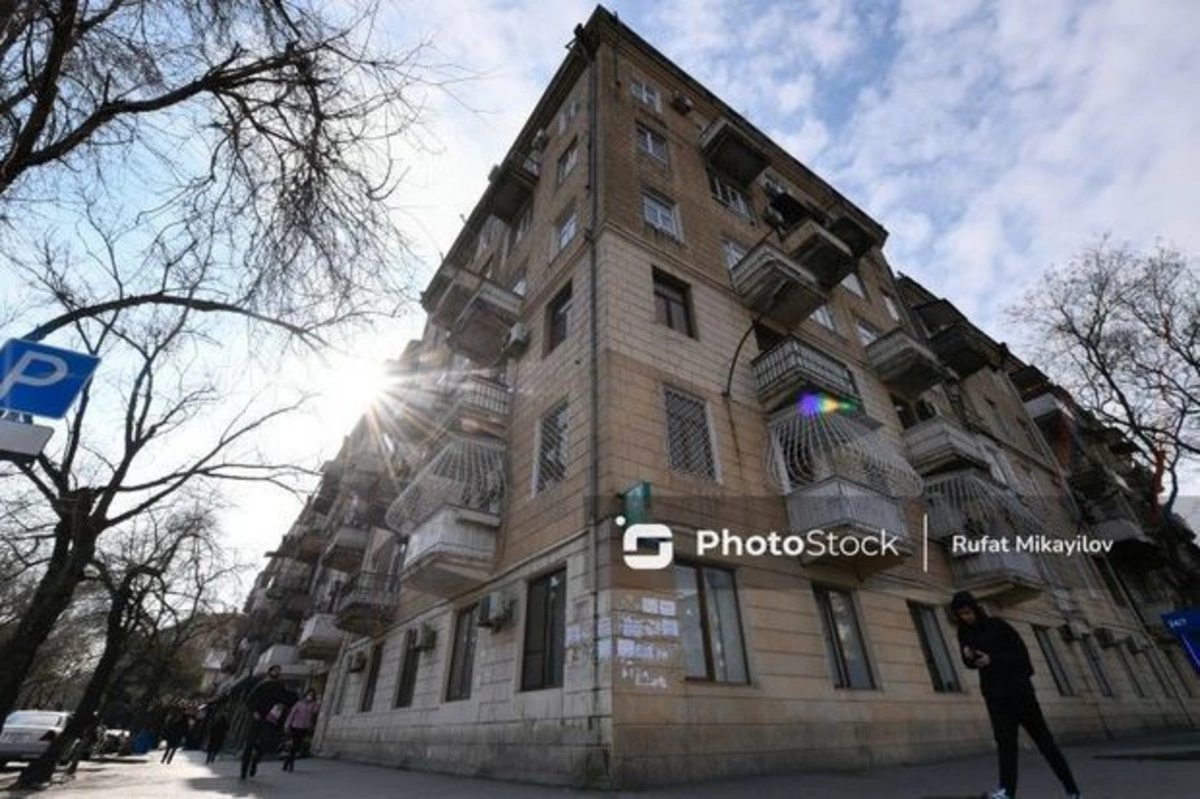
(992, 646)
(300, 722)
(268, 704)
(174, 732)
(217, 730)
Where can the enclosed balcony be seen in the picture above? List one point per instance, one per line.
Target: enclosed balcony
(792, 367)
(512, 185)
(1051, 407)
(450, 513)
(366, 603)
(938, 445)
(1005, 578)
(732, 152)
(481, 330)
(905, 365)
(850, 510)
(346, 547)
(286, 657)
(774, 286)
(824, 255)
(1112, 519)
(965, 348)
(320, 638)
(475, 404)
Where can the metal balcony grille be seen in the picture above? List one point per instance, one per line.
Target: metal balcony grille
(552, 447)
(967, 503)
(807, 446)
(793, 364)
(689, 438)
(464, 473)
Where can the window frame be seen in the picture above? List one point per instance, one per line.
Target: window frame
(854, 284)
(461, 663)
(827, 312)
(729, 245)
(542, 480)
(729, 195)
(406, 677)
(1091, 653)
(867, 333)
(645, 93)
(567, 162)
(567, 223)
(645, 137)
(834, 645)
(889, 302)
(1058, 669)
(714, 473)
(550, 649)
(665, 207)
(706, 632)
(923, 615)
(664, 284)
(366, 700)
(558, 318)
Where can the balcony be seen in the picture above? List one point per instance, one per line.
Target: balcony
(512, 185)
(850, 510)
(286, 657)
(1050, 407)
(965, 348)
(732, 152)
(792, 366)
(1005, 578)
(905, 365)
(308, 540)
(1112, 519)
(346, 547)
(481, 328)
(475, 404)
(823, 254)
(320, 638)
(938, 445)
(773, 285)
(451, 552)
(366, 604)
(448, 293)
(968, 502)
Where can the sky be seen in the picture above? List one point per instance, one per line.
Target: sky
(992, 139)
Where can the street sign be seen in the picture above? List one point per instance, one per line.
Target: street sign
(42, 380)
(21, 442)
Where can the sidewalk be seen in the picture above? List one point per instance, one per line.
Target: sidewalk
(1165, 767)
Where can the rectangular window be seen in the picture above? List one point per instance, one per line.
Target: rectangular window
(823, 316)
(728, 195)
(1046, 643)
(551, 466)
(545, 632)
(645, 93)
(566, 162)
(844, 639)
(406, 683)
(564, 232)
(462, 657)
(1092, 654)
(652, 143)
(933, 645)
(892, 309)
(710, 624)
(518, 284)
(522, 227)
(672, 303)
(1110, 580)
(368, 694)
(853, 283)
(567, 115)
(866, 333)
(558, 318)
(689, 438)
(1130, 672)
(660, 214)
(734, 252)
(998, 418)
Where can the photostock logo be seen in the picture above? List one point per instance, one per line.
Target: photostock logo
(641, 536)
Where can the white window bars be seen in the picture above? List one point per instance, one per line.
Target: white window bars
(464, 472)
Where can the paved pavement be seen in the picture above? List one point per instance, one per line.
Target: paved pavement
(1165, 767)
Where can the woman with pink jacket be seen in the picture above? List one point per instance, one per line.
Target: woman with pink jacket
(300, 722)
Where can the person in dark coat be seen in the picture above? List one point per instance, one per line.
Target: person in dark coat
(174, 732)
(217, 730)
(996, 650)
(268, 704)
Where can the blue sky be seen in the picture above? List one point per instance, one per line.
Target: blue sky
(992, 139)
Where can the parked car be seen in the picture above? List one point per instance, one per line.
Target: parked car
(27, 733)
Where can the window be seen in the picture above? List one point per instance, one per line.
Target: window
(462, 658)
(518, 285)
(652, 143)
(551, 464)
(1110, 580)
(933, 645)
(522, 227)
(734, 252)
(660, 214)
(823, 316)
(368, 694)
(1130, 672)
(998, 418)
(1093, 658)
(406, 683)
(843, 639)
(558, 318)
(672, 303)
(566, 162)
(995, 464)
(645, 93)
(688, 436)
(892, 309)
(728, 195)
(567, 115)
(545, 632)
(1035, 440)
(853, 283)
(866, 333)
(565, 232)
(710, 624)
(1061, 681)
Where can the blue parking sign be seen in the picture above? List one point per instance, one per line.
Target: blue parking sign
(41, 380)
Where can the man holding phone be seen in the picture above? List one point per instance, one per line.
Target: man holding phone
(993, 647)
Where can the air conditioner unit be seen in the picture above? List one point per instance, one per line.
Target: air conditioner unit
(426, 637)
(357, 661)
(1136, 643)
(494, 610)
(540, 139)
(682, 103)
(517, 338)
(1105, 637)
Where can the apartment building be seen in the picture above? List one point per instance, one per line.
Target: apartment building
(656, 314)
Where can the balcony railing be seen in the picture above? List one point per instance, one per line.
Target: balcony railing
(1112, 519)
(849, 509)
(937, 445)
(1001, 577)
(1049, 404)
(773, 285)
(904, 364)
(822, 253)
(452, 551)
(792, 366)
(965, 348)
(320, 638)
(366, 604)
(465, 472)
(346, 546)
(513, 183)
(475, 404)
(482, 327)
(728, 148)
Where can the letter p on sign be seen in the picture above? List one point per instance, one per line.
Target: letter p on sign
(41, 380)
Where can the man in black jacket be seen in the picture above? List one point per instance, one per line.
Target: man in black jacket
(268, 704)
(993, 647)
